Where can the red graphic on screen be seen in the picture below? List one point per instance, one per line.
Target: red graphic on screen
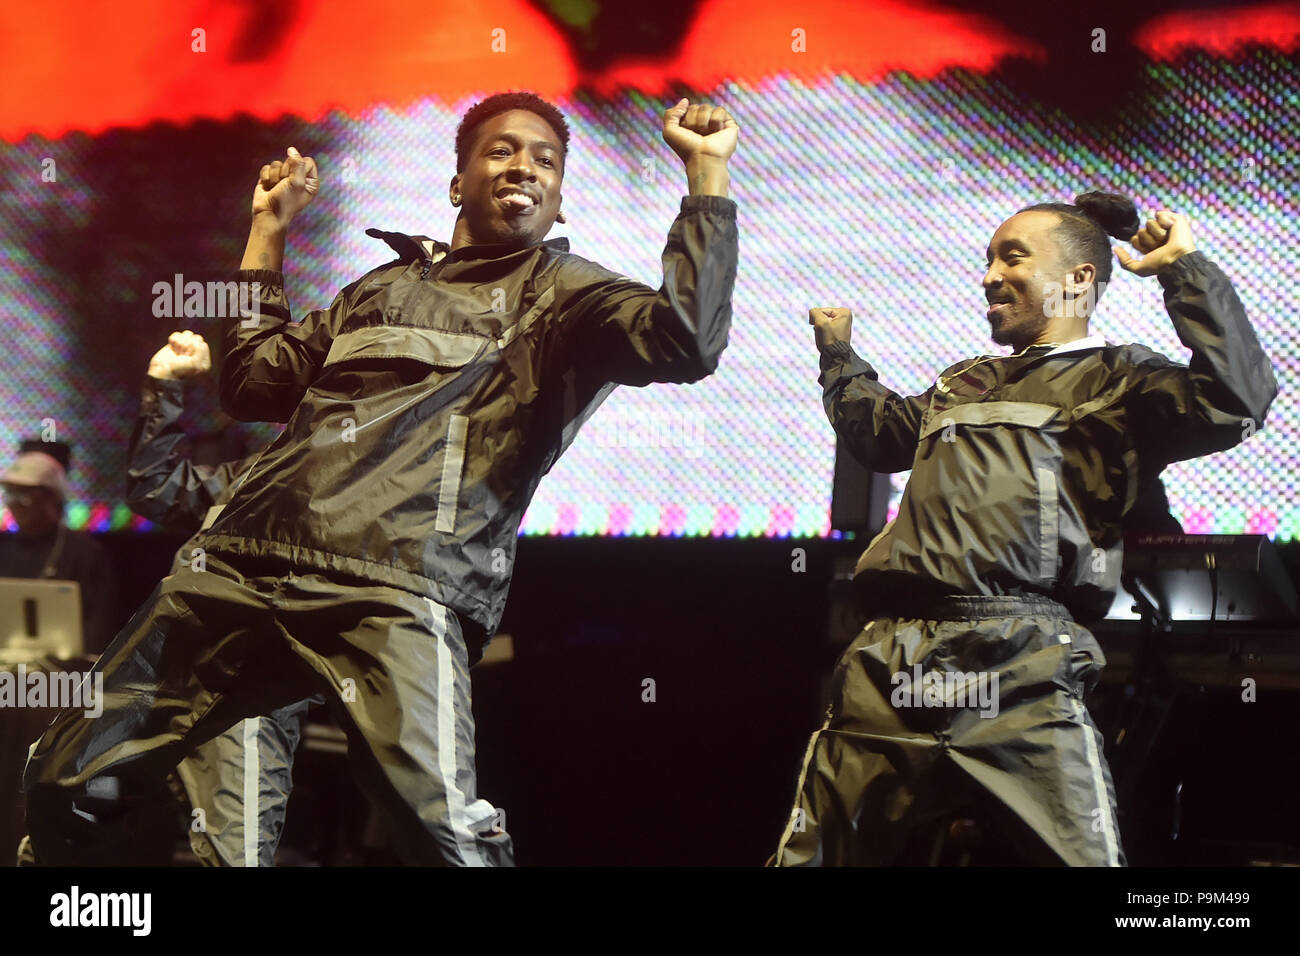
(90, 66)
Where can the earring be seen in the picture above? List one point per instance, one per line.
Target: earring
(455, 200)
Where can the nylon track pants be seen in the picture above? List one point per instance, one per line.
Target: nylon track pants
(213, 646)
(898, 751)
(240, 782)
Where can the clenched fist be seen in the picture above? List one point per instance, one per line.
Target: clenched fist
(830, 325)
(285, 187)
(184, 355)
(703, 137)
(700, 130)
(1164, 240)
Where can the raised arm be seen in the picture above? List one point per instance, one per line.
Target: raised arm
(160, 484)
(880, 427)
(623, 331)
(271, 360)
(1222, 395)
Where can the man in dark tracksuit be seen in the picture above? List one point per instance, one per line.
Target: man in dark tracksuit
(368, 552)
(965, 691)
(240, 780)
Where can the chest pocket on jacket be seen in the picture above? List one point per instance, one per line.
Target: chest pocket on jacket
(435, 347)
(1016, 445)
(1026, 414)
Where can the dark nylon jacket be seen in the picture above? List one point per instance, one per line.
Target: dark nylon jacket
(425, 404)
(160, 484)
(1022, 466)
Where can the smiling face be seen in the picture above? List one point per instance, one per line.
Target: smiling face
(510, 187)
(1024, 266)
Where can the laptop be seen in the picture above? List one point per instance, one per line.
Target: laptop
(40, 618)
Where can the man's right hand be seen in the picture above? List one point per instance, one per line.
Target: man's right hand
(184, 355)
(284, 188)
(830, 325)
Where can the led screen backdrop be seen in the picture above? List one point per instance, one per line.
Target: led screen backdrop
(879, 192)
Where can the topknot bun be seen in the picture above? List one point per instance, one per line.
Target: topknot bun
(1116, 214)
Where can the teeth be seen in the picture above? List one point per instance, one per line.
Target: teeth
(519, 197)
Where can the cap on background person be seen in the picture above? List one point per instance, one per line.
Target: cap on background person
(36, 469)
(60, 451)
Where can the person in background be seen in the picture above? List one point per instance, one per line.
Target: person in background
(35, 492)
(162, 485)
(242, 823)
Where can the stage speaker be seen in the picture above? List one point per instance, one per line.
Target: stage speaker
(859, 496)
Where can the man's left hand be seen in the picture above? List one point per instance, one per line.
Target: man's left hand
(704, 138)
(1165, 239)
(700, 130)
(184, 356)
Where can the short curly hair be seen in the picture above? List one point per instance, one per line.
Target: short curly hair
(500, 103)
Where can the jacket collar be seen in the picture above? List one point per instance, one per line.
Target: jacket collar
(1055, 348)
(409, 247)
(498, 250)
(1088, 342)
(431, 250)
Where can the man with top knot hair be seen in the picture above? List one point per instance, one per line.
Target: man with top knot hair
(965, 690)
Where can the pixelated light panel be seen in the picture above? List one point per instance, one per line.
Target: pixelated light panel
(878, 195)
